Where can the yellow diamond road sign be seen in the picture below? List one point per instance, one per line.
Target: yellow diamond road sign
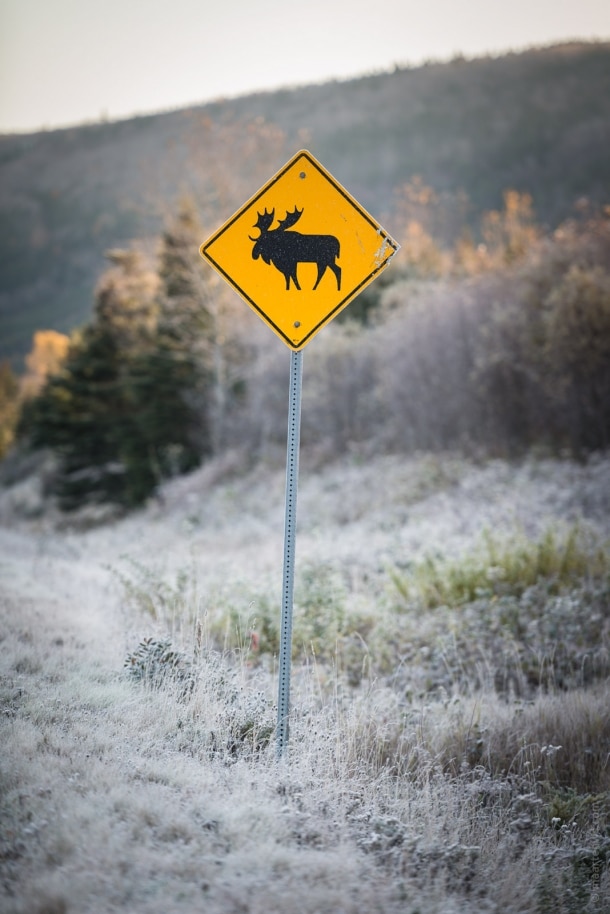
(299, 250)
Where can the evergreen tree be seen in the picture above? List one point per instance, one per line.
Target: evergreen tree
(197, 315)
(188, 321)
(9, 406)
(186, 304)
(161, 390)
(119, 414)
(78, 415)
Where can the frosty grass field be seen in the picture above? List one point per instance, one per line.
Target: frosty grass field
(450, 730)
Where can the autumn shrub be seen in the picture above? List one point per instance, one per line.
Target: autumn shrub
(577, 353)
(512, 359)
(543, 352)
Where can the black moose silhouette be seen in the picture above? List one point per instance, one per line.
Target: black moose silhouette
(285, 250)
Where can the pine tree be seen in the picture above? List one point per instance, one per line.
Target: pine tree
(120, 412)
(196, 315)
(77, 415)
(9, 407)
(188, 319)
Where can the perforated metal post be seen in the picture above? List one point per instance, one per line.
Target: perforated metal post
(292, 479)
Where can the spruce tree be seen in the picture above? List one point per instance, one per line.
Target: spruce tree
(78, 415)
(196, 314)
(119, 414)
(9, 407)
(187, 323)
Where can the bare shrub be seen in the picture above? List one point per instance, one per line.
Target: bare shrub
(577, 353)
(424, 365)
(514, 359)
(341, 398)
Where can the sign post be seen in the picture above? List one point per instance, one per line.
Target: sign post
(290, 523)
(297, 280)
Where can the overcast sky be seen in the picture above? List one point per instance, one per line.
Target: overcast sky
(68, 61)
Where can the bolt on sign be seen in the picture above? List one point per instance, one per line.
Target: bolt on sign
(299, 250)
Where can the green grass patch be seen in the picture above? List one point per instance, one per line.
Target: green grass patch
(505, 568)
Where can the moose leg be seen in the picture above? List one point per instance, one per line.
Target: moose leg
(322, 267)
(337, 271)
(292, 276)
(321, 272)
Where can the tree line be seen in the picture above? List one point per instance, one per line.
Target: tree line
(128, 405)
(492, 344)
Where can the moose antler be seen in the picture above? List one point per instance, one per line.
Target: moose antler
(290, 219)
(263, 222)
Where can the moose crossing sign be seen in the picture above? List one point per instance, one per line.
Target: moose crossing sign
(299, 250)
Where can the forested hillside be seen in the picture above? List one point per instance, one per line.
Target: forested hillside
(537, 122)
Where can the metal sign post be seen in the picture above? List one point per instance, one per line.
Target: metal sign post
(297, 281)
(290, 521)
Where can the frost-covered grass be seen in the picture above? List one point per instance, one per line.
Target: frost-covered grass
(446, 755)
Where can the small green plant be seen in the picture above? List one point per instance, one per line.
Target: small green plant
(156, 663)
(565, 806)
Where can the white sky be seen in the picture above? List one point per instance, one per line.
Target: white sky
(68, 61)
